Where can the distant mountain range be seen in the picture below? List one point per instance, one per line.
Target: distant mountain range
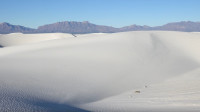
(87, 27)
(8, 28)
(75, 27)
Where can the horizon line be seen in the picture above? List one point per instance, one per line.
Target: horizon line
(100, 24)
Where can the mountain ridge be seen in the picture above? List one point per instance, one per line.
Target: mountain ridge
(75, 27)
(9, 28)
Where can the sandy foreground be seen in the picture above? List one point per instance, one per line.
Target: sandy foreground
(140, 71)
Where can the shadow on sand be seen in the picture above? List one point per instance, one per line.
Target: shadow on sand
(54, 107)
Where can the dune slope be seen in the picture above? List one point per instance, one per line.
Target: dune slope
(87, 71)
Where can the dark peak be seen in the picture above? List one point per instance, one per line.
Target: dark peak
(67, 23)
(9, 28)
(146, 26)
(133, 25)
(11, 25)
(86, 22)
(186, 22)
(5, 23)
(72, 22)
(182, 23)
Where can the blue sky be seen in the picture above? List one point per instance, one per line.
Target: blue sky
(117, 13)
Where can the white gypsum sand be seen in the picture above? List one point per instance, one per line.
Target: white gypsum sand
(19, 38)
(101, 72)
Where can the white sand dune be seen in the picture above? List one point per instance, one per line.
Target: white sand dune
(101, 72)
(179, 94)
(19, 38)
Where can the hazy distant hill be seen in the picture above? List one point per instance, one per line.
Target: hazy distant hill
(135, 28)
(8, 28)
(87, 27)
(186, 26)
